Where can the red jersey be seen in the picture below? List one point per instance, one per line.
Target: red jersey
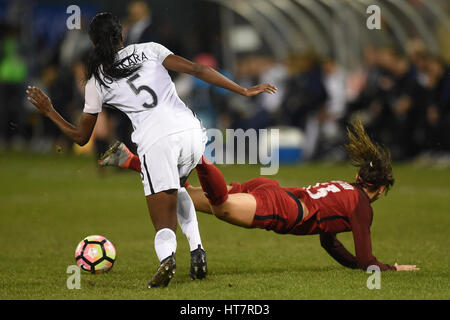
(333, 207)
(330, 207)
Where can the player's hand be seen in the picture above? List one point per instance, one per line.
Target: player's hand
(40, 100)
(405, 267)
(260, 88)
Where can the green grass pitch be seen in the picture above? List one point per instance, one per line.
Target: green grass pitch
(49, 203)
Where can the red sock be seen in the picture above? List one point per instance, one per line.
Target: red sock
(135, 164)
(212, 181)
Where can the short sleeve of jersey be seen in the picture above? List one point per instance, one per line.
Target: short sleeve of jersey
(158, 51)
(92, 99)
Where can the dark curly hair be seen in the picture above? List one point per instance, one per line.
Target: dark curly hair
(372, 159)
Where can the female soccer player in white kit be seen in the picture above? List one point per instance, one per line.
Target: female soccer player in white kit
(169, 138)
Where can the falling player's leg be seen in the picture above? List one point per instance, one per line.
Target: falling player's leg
(202, 204)
(257, 203)
(240, 205)
(199, 199)
(118, 155)
(121, 156)
(237, 208)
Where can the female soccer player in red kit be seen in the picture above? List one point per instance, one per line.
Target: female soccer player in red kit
(325, 208)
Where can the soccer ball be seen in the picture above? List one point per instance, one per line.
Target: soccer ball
(95, 254)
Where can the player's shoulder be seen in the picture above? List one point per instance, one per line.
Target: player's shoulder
(345, 188)
(150, 46)
(363, 207)
(148, 51)
(354, 191)
(362, 195)
(349, 194)
(132, 49)
(93, 84)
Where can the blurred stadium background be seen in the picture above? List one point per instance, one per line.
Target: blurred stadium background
(326, 63)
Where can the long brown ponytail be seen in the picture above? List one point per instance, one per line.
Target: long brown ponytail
(372, 159)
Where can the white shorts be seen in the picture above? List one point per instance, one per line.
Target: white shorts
(171, 159)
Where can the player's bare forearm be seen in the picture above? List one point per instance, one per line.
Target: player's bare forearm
(211, 76)
(199, 199)
(80, 134)
(405, 267)
(208, 74)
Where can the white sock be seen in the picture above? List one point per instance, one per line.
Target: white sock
(165, 243)
(187, 218)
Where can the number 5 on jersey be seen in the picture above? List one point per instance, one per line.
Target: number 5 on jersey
(143, 88)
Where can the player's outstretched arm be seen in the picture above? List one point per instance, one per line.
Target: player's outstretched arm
(337, 251)
(405, 267)
(80, 134)
(208, 74)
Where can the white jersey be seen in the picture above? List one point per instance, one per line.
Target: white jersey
(148, 97)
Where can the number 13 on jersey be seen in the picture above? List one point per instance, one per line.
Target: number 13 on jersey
(321, 190)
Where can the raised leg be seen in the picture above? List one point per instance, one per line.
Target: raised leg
(199, 199)
(237, 208)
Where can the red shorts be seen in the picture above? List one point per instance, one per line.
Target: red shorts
(276, 209)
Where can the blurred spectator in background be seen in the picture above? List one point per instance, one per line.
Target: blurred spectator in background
(305, 98)
(74, 45)
(375, 100)
(324, 132)
(403, 108)
(372, 100)
(206, 100)
(13, 74)
(241, 109)
(437, 107)
(140, 28)
(272, 71)
(264, 111)
(403, 98)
